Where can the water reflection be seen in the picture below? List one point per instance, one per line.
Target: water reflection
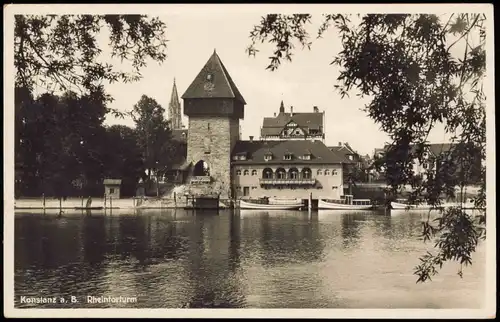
(284, 236)
(233, 259)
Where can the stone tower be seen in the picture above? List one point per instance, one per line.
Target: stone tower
(174, 109)
(214, 106)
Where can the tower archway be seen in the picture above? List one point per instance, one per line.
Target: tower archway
(201, 168)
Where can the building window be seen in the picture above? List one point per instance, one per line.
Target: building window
(254, 172)
(246, 191)
(111, 190)
(288, 157)
(334, 172)
(334, 188)
(253, 188)
(425, 165)
(238, 172)
(307, 157)
(245, 173)
(281, 173)
(267, 173)
(306, 173)
(268, 157)
(294, 173)
(327, 172)
(319, 172)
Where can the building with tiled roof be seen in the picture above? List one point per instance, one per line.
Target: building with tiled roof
(352, 159)
(217, 160)
(293, 125)
(286, 169)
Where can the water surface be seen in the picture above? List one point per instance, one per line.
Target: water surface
(247, 259)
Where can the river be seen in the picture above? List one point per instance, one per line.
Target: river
(247, 259)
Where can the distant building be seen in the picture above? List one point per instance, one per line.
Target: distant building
(432, 157)
(352, 160)
(174, 110)
(294, 125)
(348, 152)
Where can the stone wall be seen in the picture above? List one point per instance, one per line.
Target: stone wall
(211, 139)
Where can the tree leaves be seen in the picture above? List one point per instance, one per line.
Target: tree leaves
(405, 64)
(58, 53)
(281, 30)
(154, 136)
(458, 26)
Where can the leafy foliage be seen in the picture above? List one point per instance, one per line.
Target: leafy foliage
(63, 52)
(63, 148)
(57, 142)
(154, 136)
(409, 67)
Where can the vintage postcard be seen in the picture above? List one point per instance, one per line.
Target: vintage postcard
(291, 160)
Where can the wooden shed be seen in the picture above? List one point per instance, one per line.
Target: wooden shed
(112, 188)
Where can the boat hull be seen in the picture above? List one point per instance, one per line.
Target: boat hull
(403, 206)
(337, 206)
(252, 205)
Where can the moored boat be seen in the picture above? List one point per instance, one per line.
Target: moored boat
(403, 204)
(271, 204)
(345, 203)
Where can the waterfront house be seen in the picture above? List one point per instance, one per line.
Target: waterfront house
(286, 169)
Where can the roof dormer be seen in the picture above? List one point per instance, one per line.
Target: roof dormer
(288, 156)
(268, 156)
(307, 155)
(240, 156)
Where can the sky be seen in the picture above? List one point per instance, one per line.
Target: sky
(305, 82)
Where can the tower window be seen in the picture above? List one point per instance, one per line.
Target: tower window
(209, 77)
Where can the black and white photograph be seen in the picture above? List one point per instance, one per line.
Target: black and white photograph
(270, 160)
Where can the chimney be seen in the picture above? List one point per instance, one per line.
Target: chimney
(291, 110)
(340, 143)
(274, 114)
(316, 110)
(251, 138)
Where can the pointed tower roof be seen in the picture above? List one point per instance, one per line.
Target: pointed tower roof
(174, 98)
(282, 107)
(213, 81)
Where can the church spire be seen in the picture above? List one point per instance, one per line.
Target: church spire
(174, 109)
(282, 107)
